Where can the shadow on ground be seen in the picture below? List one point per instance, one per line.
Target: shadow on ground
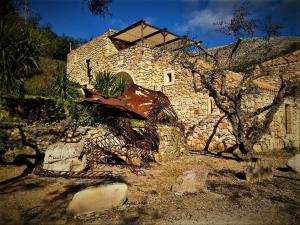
(53, 207)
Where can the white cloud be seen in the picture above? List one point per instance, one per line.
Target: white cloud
(204, 19)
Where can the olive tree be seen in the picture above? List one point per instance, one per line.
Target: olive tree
(248, 125)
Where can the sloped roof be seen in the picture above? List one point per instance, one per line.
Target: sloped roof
(150, 35)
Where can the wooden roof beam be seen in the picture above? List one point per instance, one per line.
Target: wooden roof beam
(167, 42)
(149, 35)
(128, 28)
(117, 39)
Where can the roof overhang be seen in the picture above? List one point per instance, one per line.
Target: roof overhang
(152, 36)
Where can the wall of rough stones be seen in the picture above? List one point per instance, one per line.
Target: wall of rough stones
(171, 140)
(196, 110)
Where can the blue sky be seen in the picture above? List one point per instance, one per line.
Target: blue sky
(193, 17)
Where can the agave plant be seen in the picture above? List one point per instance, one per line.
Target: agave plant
(108, 84)
(61, 83)
(63, 87)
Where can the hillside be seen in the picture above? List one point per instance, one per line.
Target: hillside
(40, 83)
(255, 50)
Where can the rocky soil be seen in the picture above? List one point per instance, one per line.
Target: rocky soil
(228, 199)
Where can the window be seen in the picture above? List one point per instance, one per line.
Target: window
(169, 78)
(209, 106)
(288, 119)
(89, 69)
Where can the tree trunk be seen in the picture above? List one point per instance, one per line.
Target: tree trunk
(206, 148)
(21, 97)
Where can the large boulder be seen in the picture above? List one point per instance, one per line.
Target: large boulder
(294, 163)
(190, 182)
(98, 199)
(65, 157)
(258, 170)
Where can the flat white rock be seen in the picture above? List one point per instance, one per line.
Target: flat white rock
(294, 163)
(98, 199)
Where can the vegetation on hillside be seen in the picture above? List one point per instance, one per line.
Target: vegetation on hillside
(23, 45)
(40, 83)
(20, 50)
(32, 56)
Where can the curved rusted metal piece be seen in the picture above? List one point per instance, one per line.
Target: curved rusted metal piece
(135, 103)
(127, 144)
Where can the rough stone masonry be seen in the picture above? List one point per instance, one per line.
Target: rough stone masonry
(196, 110)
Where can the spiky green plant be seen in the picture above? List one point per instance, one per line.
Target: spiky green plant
(19, 55)
(108, 84)
(61, 85)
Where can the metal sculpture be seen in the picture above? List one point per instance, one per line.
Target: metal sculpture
(124, 145)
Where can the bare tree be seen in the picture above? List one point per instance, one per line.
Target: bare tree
(240, 25)
(269, 28)
(248, 124)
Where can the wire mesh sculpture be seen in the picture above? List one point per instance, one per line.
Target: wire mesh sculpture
(123, 145)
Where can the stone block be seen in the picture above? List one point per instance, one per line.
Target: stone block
(190, 182)
(197, 110)
(223, 125)
(65, 157)
(259, 170)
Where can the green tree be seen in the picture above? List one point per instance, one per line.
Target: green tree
(19, 55)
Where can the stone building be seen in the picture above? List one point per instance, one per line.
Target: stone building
(134, 50)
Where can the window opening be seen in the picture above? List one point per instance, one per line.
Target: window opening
(288, 119)
(169, 77)
(89, 69)
(210, 106)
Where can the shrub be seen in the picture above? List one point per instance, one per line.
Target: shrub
(19, 59)
(38, 85)
(108, 84)
(3, 142)
(62, 87)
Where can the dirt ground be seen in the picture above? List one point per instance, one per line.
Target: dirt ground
(228, 199)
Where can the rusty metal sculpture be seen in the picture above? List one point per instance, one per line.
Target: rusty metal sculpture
(124, 145)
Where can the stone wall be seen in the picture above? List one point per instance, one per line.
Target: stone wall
(196, 110)
(171, 140)
(97, 51)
